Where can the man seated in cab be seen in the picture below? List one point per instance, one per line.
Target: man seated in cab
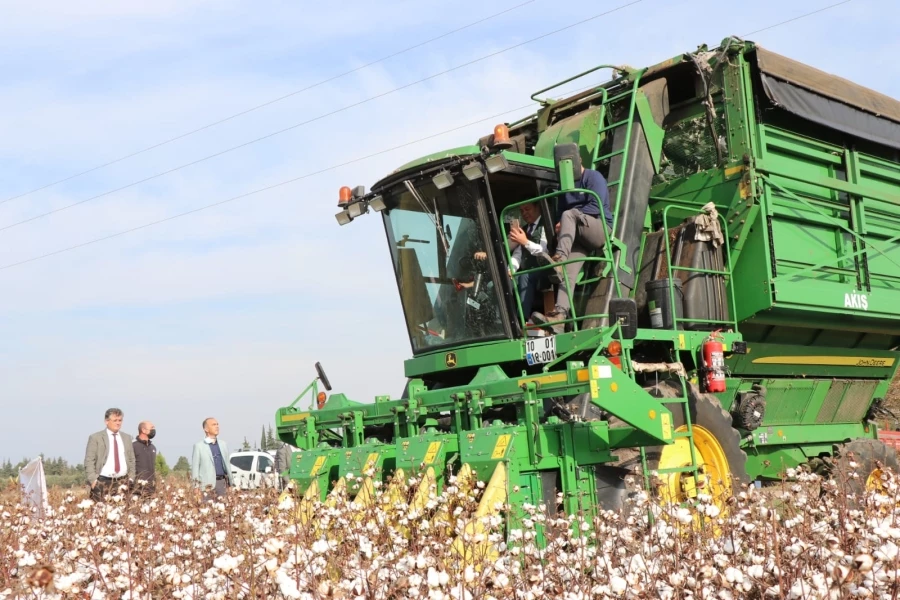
(580, 230)
(532, 238)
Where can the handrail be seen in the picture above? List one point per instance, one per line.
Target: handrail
(632, 107)
(569, 288)
(728, 274)
(573, 78)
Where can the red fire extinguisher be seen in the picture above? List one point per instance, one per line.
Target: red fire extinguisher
(714, 364)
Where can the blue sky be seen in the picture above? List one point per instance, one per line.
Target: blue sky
(223, 313)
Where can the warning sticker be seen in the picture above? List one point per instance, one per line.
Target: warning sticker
(501, 446)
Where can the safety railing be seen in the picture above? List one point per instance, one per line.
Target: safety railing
(546, 101)
(725, 274)
(569, 287)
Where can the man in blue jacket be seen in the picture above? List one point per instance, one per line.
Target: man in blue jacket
(210, 462)
(580, 230)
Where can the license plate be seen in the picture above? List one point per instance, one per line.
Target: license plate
(540, 350)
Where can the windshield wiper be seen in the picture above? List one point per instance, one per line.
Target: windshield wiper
(415, 194)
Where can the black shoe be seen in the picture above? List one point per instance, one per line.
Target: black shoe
(556, 274)
(552, 320)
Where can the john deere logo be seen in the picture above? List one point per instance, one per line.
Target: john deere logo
(450, 359)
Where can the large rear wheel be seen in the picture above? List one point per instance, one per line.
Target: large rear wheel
(862, 465)
(722, 465)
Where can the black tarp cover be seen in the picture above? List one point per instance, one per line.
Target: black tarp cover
(829, 100)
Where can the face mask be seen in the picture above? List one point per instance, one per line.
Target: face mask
(152, 433)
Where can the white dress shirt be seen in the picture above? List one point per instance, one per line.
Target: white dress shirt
(109, 468)
(532, 247)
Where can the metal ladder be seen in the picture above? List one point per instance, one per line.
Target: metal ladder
(688, 433)
(684, 400)
(605, 125)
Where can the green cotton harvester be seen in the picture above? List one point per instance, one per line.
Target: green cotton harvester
(741, 318)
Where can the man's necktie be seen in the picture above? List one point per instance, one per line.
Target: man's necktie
(529, 230)
(116, 450)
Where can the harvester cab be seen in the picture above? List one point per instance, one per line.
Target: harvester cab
(738, 319)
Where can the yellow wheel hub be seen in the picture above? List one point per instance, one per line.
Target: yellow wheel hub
(714, 474)
(874, 481)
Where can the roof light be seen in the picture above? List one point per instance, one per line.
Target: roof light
(343, 217)
(320, 399)
(473, 171)
(359, 191)
(356, 209)
(501, 136)
(377, 204)
(443, 179)
(496, 162)
(345, 195)
(614, 348)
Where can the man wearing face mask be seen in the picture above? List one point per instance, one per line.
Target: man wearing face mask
(145, 460)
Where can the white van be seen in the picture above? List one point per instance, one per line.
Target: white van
(251, 469)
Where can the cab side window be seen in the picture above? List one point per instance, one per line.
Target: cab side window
(262, 463)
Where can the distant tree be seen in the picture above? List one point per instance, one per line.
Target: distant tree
(162, 469)
(181, 465)
(271, 442)
(262, 439)
(246, 445)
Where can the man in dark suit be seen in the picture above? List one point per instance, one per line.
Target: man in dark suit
(109, 458)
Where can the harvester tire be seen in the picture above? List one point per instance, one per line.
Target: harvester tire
(707, 413)
(869, 457)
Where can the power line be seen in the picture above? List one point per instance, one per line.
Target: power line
(268, 103)
(319, 117)
(809, 14)
(263, 189)
(275, 185)
(331, 168)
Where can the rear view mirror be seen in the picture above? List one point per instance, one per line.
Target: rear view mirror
(324, 378)
(624, 311)
(268, 469)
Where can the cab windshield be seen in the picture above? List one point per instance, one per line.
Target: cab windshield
(439, 250)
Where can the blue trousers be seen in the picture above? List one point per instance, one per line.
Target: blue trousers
(528, 287)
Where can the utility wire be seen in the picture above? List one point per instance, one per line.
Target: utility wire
(264, 189)
(809, 14)
(277, 185)
(326, 169)
(268, 103)
(319, 117)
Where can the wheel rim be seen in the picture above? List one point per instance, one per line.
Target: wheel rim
(874, 481)
(714, 473)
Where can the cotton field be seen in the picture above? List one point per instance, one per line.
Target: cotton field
(804, 538)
